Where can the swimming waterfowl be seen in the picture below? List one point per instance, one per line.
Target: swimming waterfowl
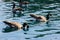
(25, 2)
(41, 18)
(16, 25)
(15, 9)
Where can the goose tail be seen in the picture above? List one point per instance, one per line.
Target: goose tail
(6, 22)
(33, 15)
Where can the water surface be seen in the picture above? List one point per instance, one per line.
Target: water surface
(37, 30)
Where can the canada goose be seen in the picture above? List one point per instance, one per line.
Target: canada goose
(15, 9)
(41, 18)
(25, 2)
(16, 25)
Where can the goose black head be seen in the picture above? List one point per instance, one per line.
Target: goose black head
(47, 16)
(25, 26)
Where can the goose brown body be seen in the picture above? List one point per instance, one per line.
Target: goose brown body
(37, 17)
(25, 2)
(20, 9)
(14, 24)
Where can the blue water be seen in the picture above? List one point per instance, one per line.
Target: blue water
(37, 30)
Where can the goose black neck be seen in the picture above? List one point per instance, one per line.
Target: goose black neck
(13, 5)
(47, 17)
